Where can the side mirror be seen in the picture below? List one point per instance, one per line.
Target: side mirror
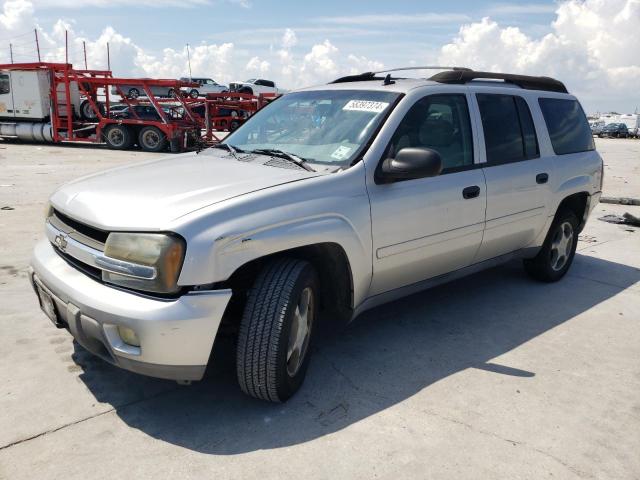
(411, 163)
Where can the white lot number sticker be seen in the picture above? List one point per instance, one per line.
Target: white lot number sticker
(365, 106)
(341, 153)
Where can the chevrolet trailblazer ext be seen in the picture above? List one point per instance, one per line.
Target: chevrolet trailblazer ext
(327, 202)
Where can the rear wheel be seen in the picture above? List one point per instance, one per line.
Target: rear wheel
(555, 257)
(194, 93)
(118, 137)
(276, 330)
(152, 139)
(133, 93)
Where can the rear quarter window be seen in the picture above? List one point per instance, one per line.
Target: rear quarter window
(567, 125)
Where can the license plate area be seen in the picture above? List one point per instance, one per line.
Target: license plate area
(48, 306)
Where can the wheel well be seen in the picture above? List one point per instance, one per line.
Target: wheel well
(577, 203)
(332, 265)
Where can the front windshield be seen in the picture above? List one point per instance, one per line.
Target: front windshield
(326, 128)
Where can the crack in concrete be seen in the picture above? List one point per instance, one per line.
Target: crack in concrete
(76, 422)
(574, 470)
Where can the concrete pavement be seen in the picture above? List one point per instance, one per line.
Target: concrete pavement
(492, 376)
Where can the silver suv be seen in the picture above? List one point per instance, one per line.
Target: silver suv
(329, 201)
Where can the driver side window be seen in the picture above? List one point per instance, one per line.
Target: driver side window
(439, 122)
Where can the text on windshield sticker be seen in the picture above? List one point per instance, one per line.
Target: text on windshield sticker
(365, 106)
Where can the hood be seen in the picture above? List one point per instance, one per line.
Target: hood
(147, 196)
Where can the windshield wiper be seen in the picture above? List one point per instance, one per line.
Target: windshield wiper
(230, 148)
(301, 162)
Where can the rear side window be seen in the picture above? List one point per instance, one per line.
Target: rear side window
(567, 125)
(509, 134)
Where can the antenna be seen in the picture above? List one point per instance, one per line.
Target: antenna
(11, 51)
(35, 30)
(189, 60)
(108, 58)
(84, 49)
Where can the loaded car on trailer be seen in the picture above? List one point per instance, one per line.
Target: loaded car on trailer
(327, 202)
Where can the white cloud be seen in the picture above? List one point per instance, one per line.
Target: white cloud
(259, 66)
(592, 48)
(289, 39)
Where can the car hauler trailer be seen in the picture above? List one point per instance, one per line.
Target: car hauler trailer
(53, 102)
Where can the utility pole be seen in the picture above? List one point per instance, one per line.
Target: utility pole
(66, 47)
(84, 49)
(108, 58)
(11, 52)
(189, 60)
(35, 30)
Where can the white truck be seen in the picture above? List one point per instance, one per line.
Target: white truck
(255, 86)
(25, 104)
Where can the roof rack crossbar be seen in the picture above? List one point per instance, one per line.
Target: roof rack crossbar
(366, 76)
(523, 81)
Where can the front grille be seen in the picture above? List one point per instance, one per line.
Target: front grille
(72, 225)
(81, 233)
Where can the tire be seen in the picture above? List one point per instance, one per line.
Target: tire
(267, 365)
(133, 93)
(171, 93)
(87, 112)
(118, 137)
(233, 125)
(152, 139)
(194, 93)
(559, 248)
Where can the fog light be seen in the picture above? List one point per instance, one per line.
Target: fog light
(128, 336)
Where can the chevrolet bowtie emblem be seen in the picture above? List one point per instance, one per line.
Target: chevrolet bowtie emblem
(61, 242)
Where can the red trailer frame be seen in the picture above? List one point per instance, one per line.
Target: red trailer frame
(182, 131)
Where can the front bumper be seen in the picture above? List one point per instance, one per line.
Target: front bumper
(176, 336)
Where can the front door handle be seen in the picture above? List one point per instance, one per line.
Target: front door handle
(542, 178)
(471, 192)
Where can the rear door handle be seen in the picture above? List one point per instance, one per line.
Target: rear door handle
(542, 178)
(471, 192)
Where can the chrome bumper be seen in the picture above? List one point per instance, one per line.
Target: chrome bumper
(176, 336)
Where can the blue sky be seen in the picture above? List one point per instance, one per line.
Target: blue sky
(396, 32)
(591, 45)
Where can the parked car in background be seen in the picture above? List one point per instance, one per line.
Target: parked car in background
(206, 85)
(328, 202)
(617, 130)
(135, 91)
(254, 86)
(596, 127)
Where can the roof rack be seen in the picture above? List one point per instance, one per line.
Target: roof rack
(524, 81)
(464, 75)
(363, 77)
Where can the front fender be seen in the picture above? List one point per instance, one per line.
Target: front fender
(330, 209)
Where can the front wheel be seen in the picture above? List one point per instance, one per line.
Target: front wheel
(276, 330)
(559, 248)
(194, 93)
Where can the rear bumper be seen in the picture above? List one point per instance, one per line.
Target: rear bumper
(176, 336)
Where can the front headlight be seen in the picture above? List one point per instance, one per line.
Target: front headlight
(143, 261)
